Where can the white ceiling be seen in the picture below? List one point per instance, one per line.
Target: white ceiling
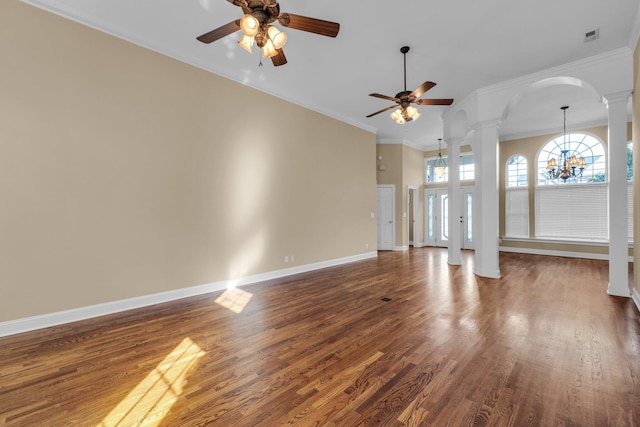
(462, 45)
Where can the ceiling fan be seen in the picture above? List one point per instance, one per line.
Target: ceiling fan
(256, 27)
(404, 99)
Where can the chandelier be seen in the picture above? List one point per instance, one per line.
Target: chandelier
(567, 165)
(438, 165)
(267, 37)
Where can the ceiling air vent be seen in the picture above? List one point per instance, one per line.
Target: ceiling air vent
(591, 35)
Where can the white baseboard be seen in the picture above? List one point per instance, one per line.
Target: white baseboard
(400, 248)
(567, 254)
(17, 326)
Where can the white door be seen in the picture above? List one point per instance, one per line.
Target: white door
(436, 218)
(386, 220)
(436, 208)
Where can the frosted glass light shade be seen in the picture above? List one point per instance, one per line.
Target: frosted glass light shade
(268, 50)
(246, 42)
(413, 113)
(249, 25)
(397, 116)
(278, 38)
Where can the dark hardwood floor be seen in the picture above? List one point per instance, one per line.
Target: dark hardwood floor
(542, 346)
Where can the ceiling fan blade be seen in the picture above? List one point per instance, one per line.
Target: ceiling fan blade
(377, 95)
(434, 101)
(382, 111)
(220, 32)
(279, 59)
(312, 25)
(421, 90)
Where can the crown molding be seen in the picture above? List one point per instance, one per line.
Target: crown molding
(589, 62)
(553, 130)
(635, 32)
(396, 141)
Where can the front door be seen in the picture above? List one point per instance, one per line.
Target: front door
(436, 208)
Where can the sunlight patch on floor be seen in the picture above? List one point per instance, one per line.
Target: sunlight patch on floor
(153, 397)
(235, 299)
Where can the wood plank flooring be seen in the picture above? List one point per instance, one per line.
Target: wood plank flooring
(323, 348)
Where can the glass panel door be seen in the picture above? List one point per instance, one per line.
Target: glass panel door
(436, 217)
(467, 221)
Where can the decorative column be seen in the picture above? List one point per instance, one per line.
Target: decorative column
(455, 202)
(618, 203)
(485, 200)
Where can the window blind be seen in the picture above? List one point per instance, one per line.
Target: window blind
(576, 212)
(517, 212)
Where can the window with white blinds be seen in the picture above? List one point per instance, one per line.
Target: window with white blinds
(572, 212)
(517, 212)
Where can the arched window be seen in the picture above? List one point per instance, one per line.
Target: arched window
(582, 146)
(574, 208)
(517, 197)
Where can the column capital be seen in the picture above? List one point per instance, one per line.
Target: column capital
(613, 98)
(452, 141)
(487, 124)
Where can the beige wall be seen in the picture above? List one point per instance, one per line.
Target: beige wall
(389, 171)
(125, 173)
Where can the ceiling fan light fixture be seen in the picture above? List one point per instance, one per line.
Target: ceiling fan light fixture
(246, 42)
(413, 113)
(268, 50)
(278, 38)
(249, 25)
(397, 116)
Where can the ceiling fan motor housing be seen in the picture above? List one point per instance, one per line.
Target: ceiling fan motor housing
(404, 98)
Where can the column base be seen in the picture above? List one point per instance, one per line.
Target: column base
(494, 274)
(618, 291)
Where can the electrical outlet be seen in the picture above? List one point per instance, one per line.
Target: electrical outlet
(292, 258)
(286, 259)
